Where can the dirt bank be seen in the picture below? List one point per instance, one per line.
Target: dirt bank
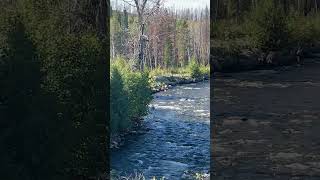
(256, 59)
(162, 83)
(267, 123)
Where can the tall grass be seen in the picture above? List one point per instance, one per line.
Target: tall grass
(193, 69)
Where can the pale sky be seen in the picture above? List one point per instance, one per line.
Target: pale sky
(187, 3)
(177, 4)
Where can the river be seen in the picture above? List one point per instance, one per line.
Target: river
(175, 140)
(267, 123)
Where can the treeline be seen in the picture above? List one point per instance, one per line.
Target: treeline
(264, 25)
(168, 40)
(173, 37)
(53, 95)
(223, 9)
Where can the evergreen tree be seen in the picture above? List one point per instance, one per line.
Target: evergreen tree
(31, 130)
(118, 102)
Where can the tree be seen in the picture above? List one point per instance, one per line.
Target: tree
(32, 133)
(270, 28)
(168, 54)
(101, 92)
(144, 8)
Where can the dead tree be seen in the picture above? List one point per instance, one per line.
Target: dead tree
(144, 8)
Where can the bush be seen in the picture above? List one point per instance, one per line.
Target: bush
(50, 98)
(118, 102)
(135, 88)
(227, 30)
(304, 30)
(32, 133)
(194, 69)
(269, 26)
(205, 70)
(71, 71)
(139, 91)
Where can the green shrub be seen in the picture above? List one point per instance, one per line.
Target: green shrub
(50, 95)
(135, 88)
(139, 91)
(304, 30)
(194, 69)
(119, 101)
(269, 26)
(227, 30)
(205, 70)
(32, 134)
(71, 73)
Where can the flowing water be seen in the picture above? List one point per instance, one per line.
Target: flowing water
(267, 123)
(175, 142)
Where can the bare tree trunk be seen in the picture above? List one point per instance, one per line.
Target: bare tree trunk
(156, 56)
(101, 93)
(285, 6)
(174, 41)
(141, 48)
(113, 51)
(149, 56)
(217, 7)
(238, 10)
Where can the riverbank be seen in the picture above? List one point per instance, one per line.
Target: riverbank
(159, 83)
(254, 59)
(163, 83)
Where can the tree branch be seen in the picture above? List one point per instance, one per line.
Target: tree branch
(129, 3)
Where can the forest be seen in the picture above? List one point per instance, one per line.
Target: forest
(53, 95)
(160, 67)
(174, 37)
(160, 41)
(256, 34)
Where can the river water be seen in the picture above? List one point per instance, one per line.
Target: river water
(175, 142)
(267, 123)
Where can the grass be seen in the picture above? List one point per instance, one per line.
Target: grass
(181, 71)
(169, 72)
(140, 176)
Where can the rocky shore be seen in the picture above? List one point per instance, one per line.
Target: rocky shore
(163, 83)
(256, 59)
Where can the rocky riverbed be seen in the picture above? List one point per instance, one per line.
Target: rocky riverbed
(174, 139)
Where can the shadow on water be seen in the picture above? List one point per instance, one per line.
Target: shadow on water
(176, 142)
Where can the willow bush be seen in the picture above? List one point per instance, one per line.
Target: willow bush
(130, 95)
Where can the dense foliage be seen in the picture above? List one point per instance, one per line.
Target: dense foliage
(173, 36)
(177, 41)
(50, 103)
(269, 26)
(266, 25)
(130, 95)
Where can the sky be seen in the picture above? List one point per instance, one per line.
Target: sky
(177, 4)
(187, 3)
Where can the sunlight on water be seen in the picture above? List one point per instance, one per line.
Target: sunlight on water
(177, 142)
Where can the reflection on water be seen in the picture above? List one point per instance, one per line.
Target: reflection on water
(177, 141)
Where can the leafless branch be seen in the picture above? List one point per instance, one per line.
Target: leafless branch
(129, 3)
